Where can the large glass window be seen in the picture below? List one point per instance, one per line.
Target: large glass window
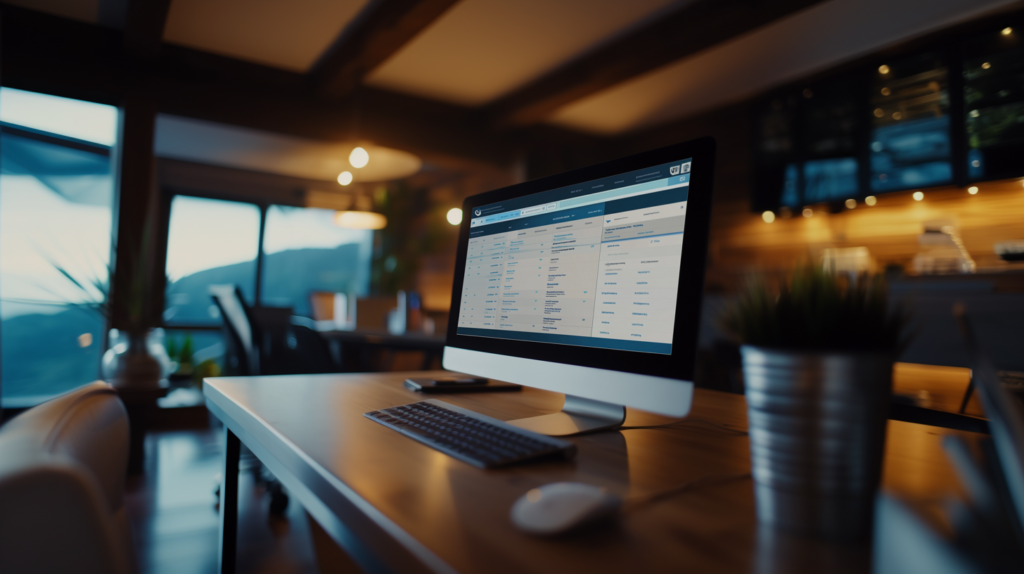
(56, 198)
(910, 135)
(209, 242)
(994, 104)
(304, 251)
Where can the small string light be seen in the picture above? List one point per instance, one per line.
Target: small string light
(918, 196)
(768, 217)
(870, 200)
(973, 190)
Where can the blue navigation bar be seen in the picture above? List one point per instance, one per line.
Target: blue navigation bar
(675, 174)
(596, 342)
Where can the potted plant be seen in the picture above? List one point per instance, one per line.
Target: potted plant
(818, 350)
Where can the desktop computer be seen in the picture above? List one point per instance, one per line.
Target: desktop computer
(586, 283)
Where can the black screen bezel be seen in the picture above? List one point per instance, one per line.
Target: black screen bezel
(678, 365)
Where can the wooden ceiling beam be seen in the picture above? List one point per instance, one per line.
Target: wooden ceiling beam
(54, 55)
(144, 29)
(382, 28)
(689, 29)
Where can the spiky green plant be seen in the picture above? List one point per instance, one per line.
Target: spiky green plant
(817, 310)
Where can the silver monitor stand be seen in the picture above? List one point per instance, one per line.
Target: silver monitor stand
(578, 415)
(595, 399)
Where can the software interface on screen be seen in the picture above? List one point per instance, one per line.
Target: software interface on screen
(594, 264)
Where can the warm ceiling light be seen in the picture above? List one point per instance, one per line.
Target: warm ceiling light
(851, 203)
(359, 158)
(870, 200)
(986, 66)
(808, 212)
(345, 177)
(360, 220)
(454, 216)
(1007, 31)
(768, 217)
(973, 190)
(918, 196)
(883, 69)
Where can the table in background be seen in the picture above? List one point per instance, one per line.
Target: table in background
(357, 348)
(397, 505)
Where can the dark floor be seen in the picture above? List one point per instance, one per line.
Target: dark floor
(175, 518)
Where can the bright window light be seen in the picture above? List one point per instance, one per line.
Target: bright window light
(87, 121)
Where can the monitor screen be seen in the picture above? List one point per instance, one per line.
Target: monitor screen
(595, 264)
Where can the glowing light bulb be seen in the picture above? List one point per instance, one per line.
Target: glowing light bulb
(1007, 31)
(918, 196)
(870, 200)
(345, 177)
(851, 203)
(973, 190)
(883, 69)
(359, 158)
(454, 216)
(768, 217)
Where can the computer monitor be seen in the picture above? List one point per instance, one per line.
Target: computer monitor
(588, 283)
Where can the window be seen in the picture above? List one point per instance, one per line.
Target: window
(217, 242)
(910, 135)
(993, 70)
(209, 242)
(56, 198)
(303, 251)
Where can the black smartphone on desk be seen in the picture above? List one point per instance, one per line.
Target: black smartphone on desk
(459, 385)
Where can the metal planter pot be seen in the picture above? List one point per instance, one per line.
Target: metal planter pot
(817, 437)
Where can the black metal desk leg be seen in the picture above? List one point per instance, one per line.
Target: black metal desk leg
(229, 503)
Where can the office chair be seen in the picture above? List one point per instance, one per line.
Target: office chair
(62, 475)
(241, 354)
(295, 348)
(242, 358)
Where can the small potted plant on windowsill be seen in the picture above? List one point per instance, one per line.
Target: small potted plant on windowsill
(818, 350)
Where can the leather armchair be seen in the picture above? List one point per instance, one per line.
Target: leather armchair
(62, 476)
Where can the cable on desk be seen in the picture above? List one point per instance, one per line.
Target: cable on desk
(736, 432)
(635, 503)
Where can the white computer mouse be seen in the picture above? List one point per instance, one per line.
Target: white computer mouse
(562, 506)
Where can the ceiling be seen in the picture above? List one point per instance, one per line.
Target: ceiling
(809, 41)
(480, 50)
(476, 53)
(288, 34)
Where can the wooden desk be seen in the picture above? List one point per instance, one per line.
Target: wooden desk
(396, 505)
